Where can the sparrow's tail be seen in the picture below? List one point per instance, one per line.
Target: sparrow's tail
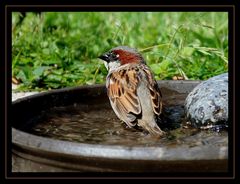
(152, 128)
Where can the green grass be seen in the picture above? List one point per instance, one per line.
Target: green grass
(56, 50)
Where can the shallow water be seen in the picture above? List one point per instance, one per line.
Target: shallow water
(97, 124)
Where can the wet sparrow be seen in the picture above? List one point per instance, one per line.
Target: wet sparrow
(132, 90)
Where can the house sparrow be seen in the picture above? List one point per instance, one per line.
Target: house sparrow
(132, 90)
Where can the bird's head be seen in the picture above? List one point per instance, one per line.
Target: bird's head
(121, 55)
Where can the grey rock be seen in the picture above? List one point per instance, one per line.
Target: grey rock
(207, 103)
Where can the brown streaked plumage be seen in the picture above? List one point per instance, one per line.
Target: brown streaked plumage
(132, 90)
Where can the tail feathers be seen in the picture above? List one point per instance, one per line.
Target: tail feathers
(152, 128)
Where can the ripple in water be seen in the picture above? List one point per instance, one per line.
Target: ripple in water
(97, 124)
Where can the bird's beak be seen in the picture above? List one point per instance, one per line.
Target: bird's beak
(104, 57)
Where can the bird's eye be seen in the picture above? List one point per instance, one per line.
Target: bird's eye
(114, 56)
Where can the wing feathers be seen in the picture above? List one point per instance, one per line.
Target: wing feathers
(122, 86)
(122, 91)
(155, 92)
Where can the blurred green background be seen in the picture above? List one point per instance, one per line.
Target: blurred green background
(59, 49)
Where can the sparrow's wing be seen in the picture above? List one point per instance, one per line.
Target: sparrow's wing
(122, 92)
(155, 92)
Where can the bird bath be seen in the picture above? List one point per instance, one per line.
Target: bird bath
(75, 129)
